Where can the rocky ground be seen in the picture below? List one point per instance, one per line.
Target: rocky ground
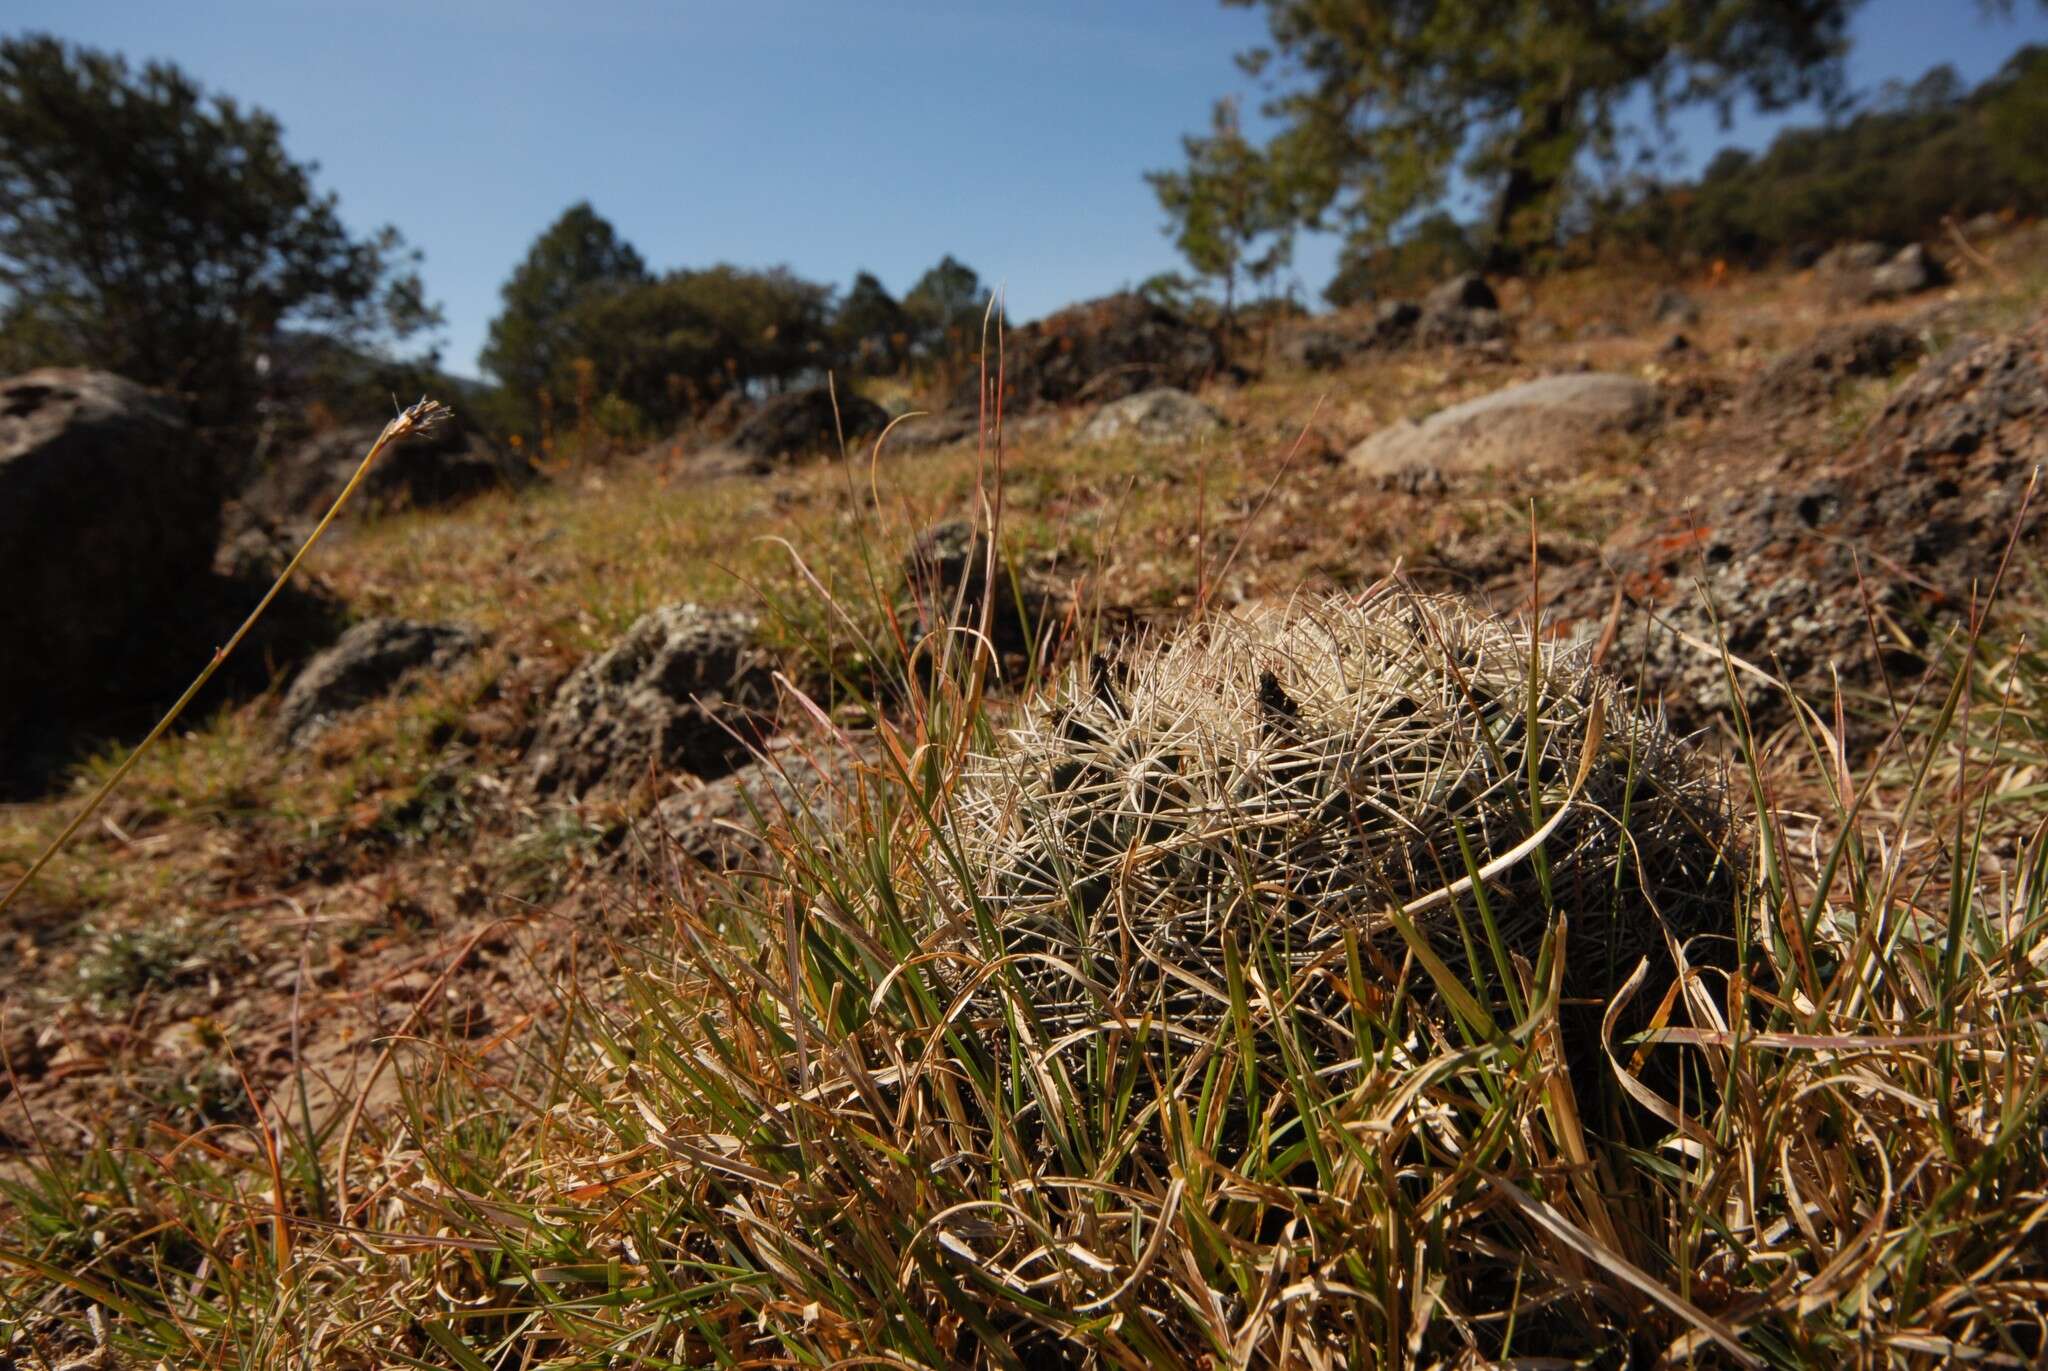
(561, 698)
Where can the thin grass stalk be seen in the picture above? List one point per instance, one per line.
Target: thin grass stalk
(423, 415)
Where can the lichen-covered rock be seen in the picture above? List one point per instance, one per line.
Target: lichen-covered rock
(372, 659)
(1851, 259)
(1909, 272)
(1547, 422)
(1809, 375)
(1164, 415)
(686, 689)
(728, 822)
(1914, 516)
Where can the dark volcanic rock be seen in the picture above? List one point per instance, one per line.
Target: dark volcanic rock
(1918, 511)
(929, 432)
(946, 573)
(370, 661)
(1103, 350)
(109, 513)
(1466, 291)
(724, 823)
(805, 423)
(447, 464)
(1807, 377)
(686, 689)
(1325, 346)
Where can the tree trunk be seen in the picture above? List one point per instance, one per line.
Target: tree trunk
(1527, 186)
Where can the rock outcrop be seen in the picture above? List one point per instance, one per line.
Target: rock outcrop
(686, 689)
(1102, 350)
(109, 514)
(946, 577)
(370, 661)
(1809, 375)
(1911, 518)
(806, 423)
(1164, 415)
(449, 464)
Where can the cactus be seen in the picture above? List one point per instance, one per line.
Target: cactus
(1275, 781)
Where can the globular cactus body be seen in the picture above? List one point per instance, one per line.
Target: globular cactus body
(1272, 781)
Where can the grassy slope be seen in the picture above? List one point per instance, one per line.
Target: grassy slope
(244, 911)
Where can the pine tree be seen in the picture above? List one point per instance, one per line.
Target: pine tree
(1381, 102)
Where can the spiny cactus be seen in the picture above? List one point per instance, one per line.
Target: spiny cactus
(1267, 783)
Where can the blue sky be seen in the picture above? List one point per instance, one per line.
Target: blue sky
(831, 136)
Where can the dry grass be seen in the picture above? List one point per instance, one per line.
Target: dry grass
(777, 1122)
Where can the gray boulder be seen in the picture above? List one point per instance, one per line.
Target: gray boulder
(1851, 259)
(1909, 272)
(1163, 415)
(1543, 423)
(370, 661)
(109, 513)
(1675, 307)
(686, 689)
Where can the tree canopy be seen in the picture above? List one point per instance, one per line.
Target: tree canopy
(946, 306)
(154, 230)
(1225, 205)
(1380, 102)
(577, 257)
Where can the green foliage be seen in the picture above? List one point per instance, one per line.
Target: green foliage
(871, 330)
(1225, 204)
(946, 307)
(1381, 102)
(586, 323)
(579, 257)
(1436, 247)
(152, 229)
(1918, 153)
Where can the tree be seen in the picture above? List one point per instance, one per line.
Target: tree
(578, 257)
(871, 329)
(1381, 101)
(1434, 247)
(152, 229)
(946, 307)
(1225, 203)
